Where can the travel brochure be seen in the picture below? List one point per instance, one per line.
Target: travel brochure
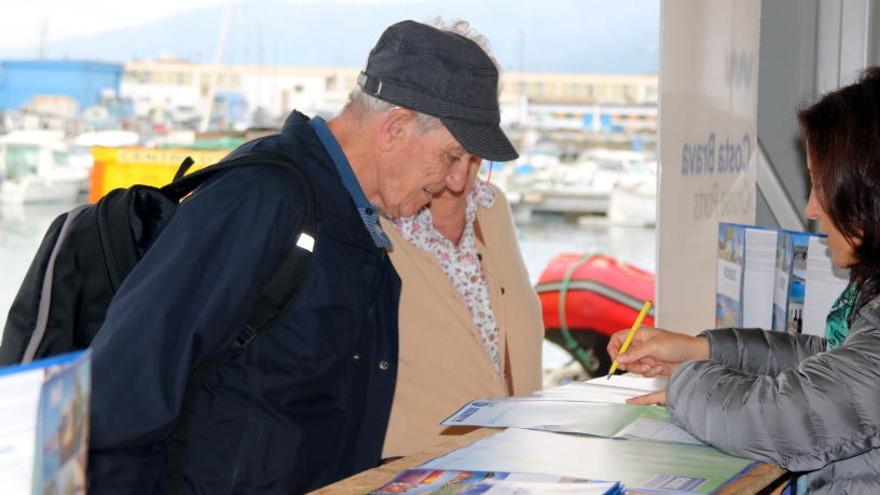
(774, 279)
(450, 482)
(746, 271)
(44, 417)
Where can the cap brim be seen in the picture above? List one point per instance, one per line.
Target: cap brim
(486, 141)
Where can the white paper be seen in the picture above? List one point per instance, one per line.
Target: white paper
(729, 279)
(516, 413)
(657, 431)
(588, 418)
(615, 390)
(630, 381)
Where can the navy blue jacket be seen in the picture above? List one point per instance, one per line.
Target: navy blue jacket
(307, 402)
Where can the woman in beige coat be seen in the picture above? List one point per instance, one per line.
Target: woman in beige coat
(470, 320)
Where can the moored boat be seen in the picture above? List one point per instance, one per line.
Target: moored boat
(585, 299)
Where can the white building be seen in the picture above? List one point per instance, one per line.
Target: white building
(548, 100)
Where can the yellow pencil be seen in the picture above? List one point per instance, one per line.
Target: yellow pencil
(630, 335)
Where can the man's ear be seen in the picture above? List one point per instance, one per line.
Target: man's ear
(393, 128)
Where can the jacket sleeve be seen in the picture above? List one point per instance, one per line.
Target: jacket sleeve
(189, 297)
(760, 352)
(825, 408)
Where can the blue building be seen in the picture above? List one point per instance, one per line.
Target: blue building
(21, 80)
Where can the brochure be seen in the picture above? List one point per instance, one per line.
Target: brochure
(44, 418)
(746, 273)
(791, 271)
(605, 420)
(807, 283)
(448, 482)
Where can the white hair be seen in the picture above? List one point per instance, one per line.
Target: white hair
(365, 105)
(464, 29)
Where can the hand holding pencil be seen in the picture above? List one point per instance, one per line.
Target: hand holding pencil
(656, 352)
(629, 336)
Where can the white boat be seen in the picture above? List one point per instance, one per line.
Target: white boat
(35, 167)
(633, 204)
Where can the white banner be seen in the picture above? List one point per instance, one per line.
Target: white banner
(708, 148)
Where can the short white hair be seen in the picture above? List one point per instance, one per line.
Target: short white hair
(364, 105)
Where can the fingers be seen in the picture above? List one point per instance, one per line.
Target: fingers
(615, 342)
(619, 337)
(652, 371)
(646, 369)
(638, 352)
(658, 398)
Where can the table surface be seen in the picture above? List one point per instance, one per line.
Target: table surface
(758, 478)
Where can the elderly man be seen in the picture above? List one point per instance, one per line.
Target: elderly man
(307, 401)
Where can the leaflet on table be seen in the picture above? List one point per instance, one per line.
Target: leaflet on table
(639, 465)
(427, 481)
(44, 414)
(588, 418)
(614, 390)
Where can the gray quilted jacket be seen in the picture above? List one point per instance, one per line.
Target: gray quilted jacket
(780, 398)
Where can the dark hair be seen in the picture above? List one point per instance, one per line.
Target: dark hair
(842, 137)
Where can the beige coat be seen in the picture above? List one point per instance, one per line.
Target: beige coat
(442, 363)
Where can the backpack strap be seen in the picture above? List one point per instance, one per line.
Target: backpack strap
(46, 289)
(184, 167)
(185, 184)
(276, 296)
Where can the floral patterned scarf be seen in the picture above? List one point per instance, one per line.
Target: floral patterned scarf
(461, 263)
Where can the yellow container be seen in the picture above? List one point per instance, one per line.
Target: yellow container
(125, 167)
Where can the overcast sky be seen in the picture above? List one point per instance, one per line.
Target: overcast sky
(67, 18)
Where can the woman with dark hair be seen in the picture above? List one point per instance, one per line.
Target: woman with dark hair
(807, 403)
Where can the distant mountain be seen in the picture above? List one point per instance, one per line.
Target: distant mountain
(600, 36)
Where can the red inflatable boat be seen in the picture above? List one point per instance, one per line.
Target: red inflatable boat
(587, 298)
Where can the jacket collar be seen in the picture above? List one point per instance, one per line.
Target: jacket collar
(337, 213)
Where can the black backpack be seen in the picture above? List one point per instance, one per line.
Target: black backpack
(88, 251)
